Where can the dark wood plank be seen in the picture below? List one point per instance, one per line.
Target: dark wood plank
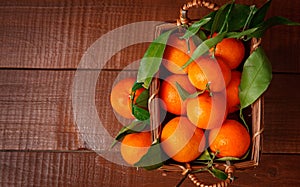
(36, 110)
(282, 109)
(89, 169)
(280, 42)
(46, 34)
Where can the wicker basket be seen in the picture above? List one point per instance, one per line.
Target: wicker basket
(254, 113)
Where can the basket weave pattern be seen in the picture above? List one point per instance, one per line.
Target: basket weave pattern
(256, 112)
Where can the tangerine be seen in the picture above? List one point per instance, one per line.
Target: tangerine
(134, 146)
(120, 97)
(169, 93)
(232, 92)
(207, 111)
(231, 50)
(209, 71)
(231, 140)
(181, 140)
(177, 53)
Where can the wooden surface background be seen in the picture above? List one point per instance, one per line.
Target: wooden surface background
(41, 44)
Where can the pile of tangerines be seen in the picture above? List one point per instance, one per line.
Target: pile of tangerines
(200, 120)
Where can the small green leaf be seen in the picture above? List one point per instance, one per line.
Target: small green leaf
(139, 108)
(142, 100)
(204, 47)
(205, 156)
(227, 158)
(225, 25)
(133, 127)
(136, 86)
(202, 36)
(152, 58)
(140, 113)
(273, 21)
(242, 34)
(256, 77)
(240, 16)
(218, 173)
(182, 92)
(250, 16)
(221, 18)
(208, 25)
(195, 27)
(260, 14)
(153, 159)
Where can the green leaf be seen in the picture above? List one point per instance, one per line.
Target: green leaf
(239, 16)
(142, 100)
(253, 10)
(205, 156)
(136, 86)
(227, 158)
(202, 36)
(152, 58)
(140, 106)
(273, 21)
(204, 47)
(133, 127)
(256, 77)
(195, 27)
(182, 92)
(218, 173)
(208, 25)
(153, 159)
(221, 18)
(260, 14)
(140, 113)
(242, 34)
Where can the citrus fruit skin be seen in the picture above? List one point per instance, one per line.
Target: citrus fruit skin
(231, 140)
(209, 71)
(231, 50)
(172, 102)
(134, 146)
(120, 97)
(177, 53)
(181, 140)
(207, 111)
(232, 92)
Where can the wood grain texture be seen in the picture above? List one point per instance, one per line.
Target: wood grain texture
(46, 34)
(281, 42)
(41, 45)
(89, 169)
(282, 115)
(36, 110)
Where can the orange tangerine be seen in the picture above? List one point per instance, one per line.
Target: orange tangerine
(170, 95)
(177, 53)
(231, 50)
(135, 146)
(207, 111)
(181, 140)
(232, 92)
(231, 140)
(209, 71)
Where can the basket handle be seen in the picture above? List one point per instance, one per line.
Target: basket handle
(229, 170)
(183, 16)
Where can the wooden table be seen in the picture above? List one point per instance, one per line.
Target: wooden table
(41, 45)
